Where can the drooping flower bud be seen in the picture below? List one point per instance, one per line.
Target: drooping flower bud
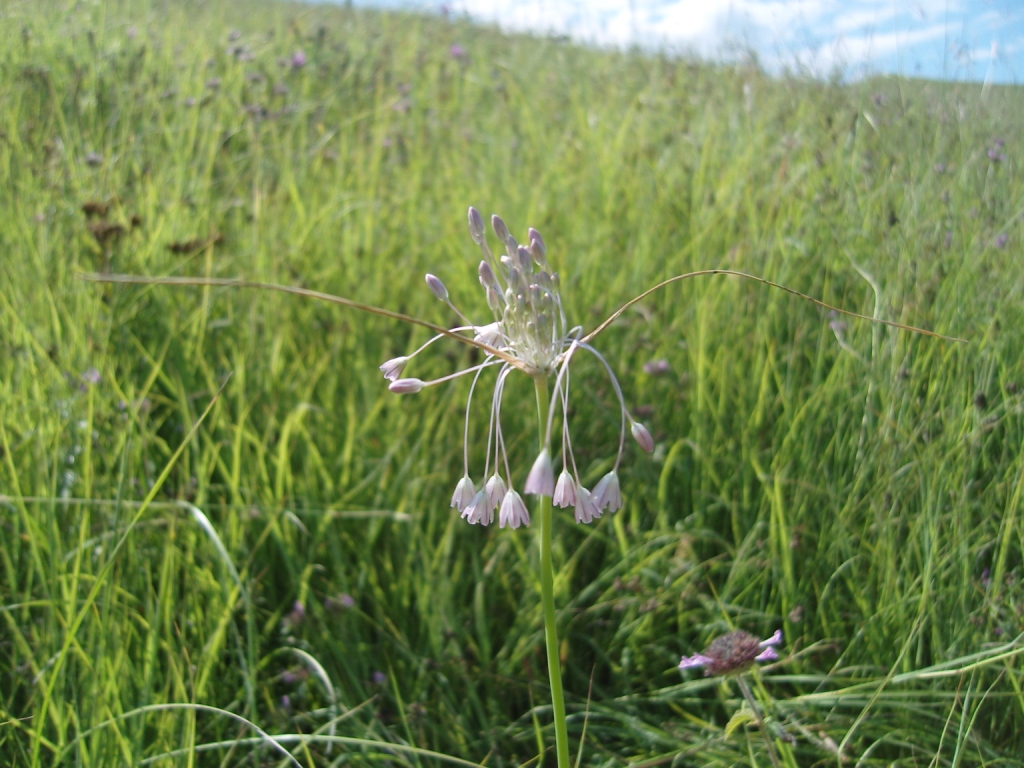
(476, 225)
(541, 480)
(437, 287)
(496, 490)
(565, 491)
(489, 334)
(406, 386)
(479, 510)
(642, 436)
(393, 368)
(586, 509)
(513, 511)
(465, 490)
(607, 494)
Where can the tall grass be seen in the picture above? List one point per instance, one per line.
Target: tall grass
(857, 486)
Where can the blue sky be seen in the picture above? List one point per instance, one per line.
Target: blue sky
(951, 39)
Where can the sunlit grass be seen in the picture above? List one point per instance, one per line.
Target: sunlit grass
(860, 487)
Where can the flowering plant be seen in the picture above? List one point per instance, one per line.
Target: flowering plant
(529, 332)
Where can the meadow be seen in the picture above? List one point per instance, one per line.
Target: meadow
(214, 514)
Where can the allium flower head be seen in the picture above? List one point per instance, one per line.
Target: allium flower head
(733, 654)
(527, 331)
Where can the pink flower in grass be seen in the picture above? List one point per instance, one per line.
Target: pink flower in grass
(733, 653)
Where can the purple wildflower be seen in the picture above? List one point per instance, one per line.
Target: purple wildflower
(341, 601)
(299, 59)
(657, 367)
(457, 51)
(91, 376)
(733, 653)
(379, 678)
(1000, 240)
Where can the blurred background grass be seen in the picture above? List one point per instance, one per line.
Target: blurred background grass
(857, 486)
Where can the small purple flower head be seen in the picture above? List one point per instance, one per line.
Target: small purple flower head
(457, 51)
(1001, 240)
(91, 376)
(995, 155)
(379, 678)
(298, 60)
(733, 653)
(340, 602)
(657, 367)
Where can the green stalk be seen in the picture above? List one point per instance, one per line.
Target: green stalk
(547, 592)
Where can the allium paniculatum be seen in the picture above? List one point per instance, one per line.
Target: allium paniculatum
(528, 331)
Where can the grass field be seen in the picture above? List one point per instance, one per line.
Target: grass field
(298, 566)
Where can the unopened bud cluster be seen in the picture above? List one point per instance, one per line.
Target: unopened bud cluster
(528, 332)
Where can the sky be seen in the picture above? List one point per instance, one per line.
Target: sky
(975, 40)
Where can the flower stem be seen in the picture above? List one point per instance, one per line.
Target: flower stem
(749, 696)
(547, 592)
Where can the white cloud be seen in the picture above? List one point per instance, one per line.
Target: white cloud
(819, 34)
